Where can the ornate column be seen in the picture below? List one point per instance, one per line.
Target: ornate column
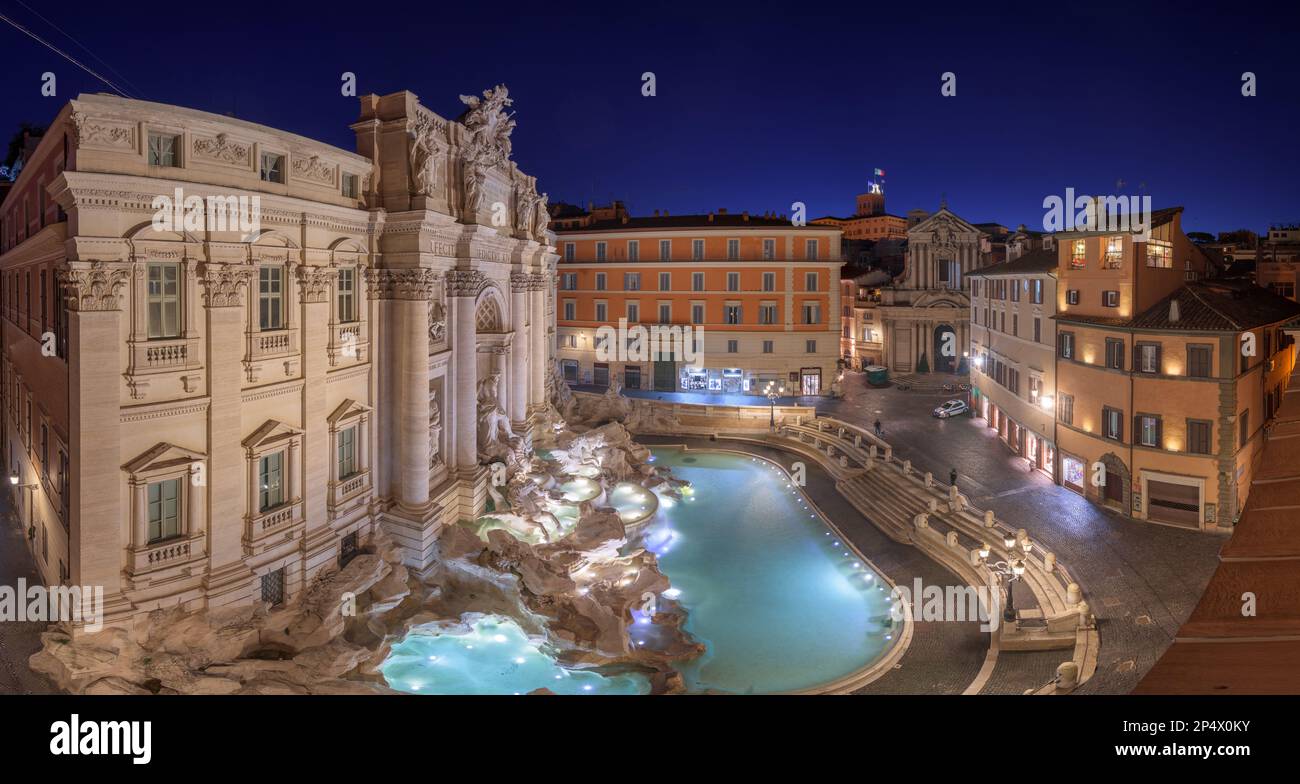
(92, 292)
(521, 393)
(230, 477)
(314, 287)
(541, 282)
(463, 287)
(407, 292)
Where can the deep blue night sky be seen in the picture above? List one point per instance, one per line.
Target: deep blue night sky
(758, 105)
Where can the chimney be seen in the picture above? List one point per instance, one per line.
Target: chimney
(745, 216)
(1173, 311)
(710, 217)
(722, 210)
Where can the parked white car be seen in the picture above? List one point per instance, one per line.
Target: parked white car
(951, 408)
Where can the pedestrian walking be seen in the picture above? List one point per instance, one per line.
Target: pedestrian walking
(952, 477)
(878, 428)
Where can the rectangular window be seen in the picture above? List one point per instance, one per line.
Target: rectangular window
(270, 297)
(810, 251)
(1112, 423)
(570, 310)
(270, 481)
(1038, 330)
(769, 250)
(1148, 430)
(272, 168)
(601, 314)
(769, 281)
(733, 281)
(1114, 258)
(163, 295)
(665, 250)
(569, 281)
(1160, 254)
(45, 450)
(810, 346)
(1078, 254)
(1015, 324)
(767, 314)
(1148, 357)
(634, 250)
(767, 347)
(600, 281)
(733, 346)
(697, 250)
(347, 452)
(810, 281)
(1110, 299)
(1072, 297)
(1243, 434)
(732, 314)
(632, 281)
(1198, 361)
(1015, 289)
(697, 281)
(601, 248)
(812, 314)
(1065, 408)
(733, 250)
(164, 510)
(163, 148)
(633, 311)
(350, 186)
(697, 314)
(665, 314)
(1198, 436)
(1037, 289)
(1114, 353)
(665, 281)
(347, 295)
(570, 251)
(1067, 345)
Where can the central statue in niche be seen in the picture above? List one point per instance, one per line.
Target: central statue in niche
(496, 438)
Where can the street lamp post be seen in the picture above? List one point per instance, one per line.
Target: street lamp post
(15, 480)
(1009, 572)
(772, 395)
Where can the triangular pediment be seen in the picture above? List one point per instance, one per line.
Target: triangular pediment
(271, 432)
(347, 409)
(162, 456)
(943, 219)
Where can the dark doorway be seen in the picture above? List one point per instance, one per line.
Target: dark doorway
(600, 374)
(665, 376)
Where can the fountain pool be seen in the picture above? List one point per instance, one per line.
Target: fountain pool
(780, 602)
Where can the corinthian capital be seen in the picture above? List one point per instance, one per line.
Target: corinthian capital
(465, 283)
(314, 283)
(408, 283)
(92, 286)
(521, 281)
(222, 284)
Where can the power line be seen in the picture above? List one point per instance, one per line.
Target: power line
(84, 48)
(62, 54)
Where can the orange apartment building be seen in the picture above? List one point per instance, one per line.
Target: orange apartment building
(1277, 263)
(764, 293)
(1166, 378)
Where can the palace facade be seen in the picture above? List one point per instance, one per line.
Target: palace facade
(202, 413)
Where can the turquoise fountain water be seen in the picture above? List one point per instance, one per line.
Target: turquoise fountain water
(778, 600)
(772, 592)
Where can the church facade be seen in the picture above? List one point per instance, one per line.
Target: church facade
(201, 414)
(926, 312)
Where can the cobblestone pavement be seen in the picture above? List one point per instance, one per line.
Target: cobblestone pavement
(18, 641)
(1142, 579)
(943, 658)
